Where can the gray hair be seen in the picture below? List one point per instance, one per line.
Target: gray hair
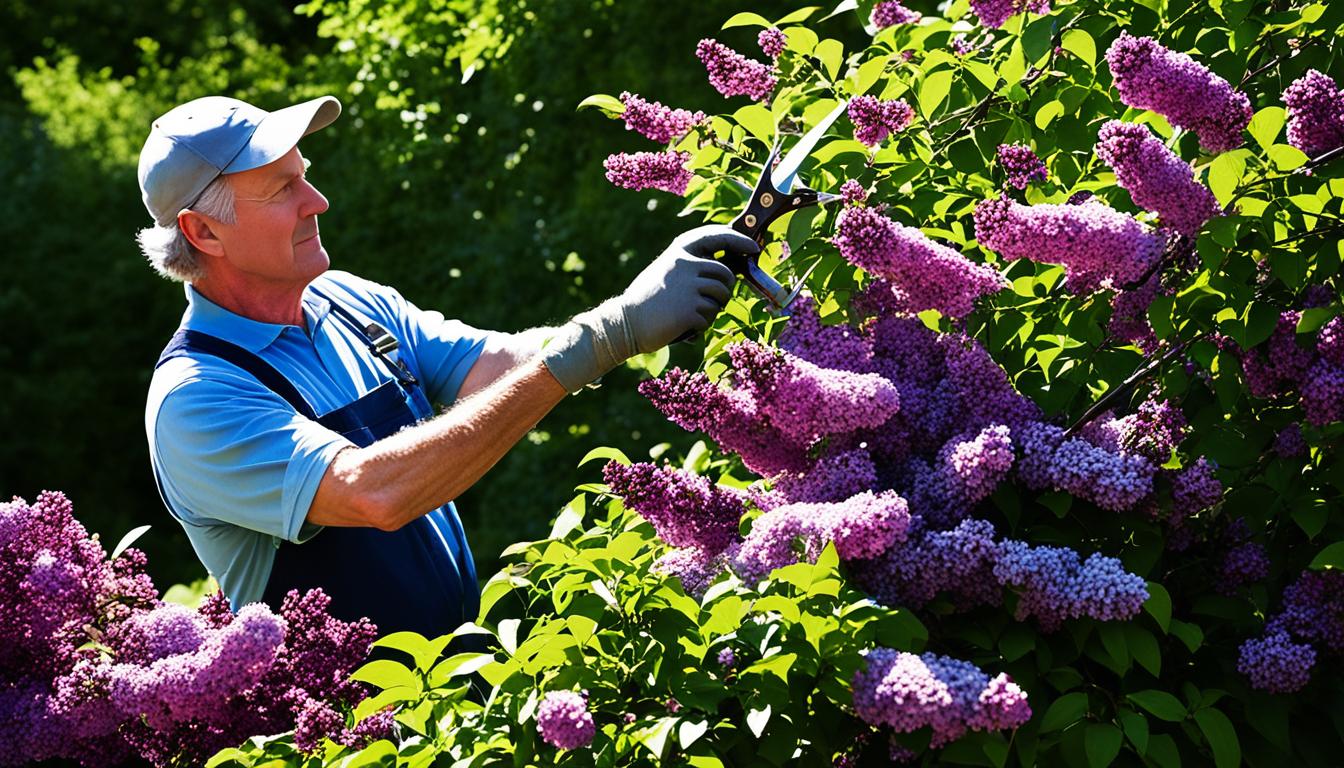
(169, 251)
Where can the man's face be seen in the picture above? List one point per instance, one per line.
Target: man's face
(274, 238)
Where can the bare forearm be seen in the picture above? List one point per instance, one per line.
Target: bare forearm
(401, 477)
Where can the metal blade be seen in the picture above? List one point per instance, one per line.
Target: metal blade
(784, 174)
(802, 283)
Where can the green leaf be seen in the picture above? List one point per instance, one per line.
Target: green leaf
(381, 752)
(1312, 319)
(758, 121)
(1136, 729)
(1225, 174)
(604, 452)
(1102, 744)
(1222, 737)
(385, 674)
(570, 517)
(1330, 557)
(655, 736)
(746, 19)
(1080, 44)
(1047, 113)
(1143, 647)
(508, 635)
(458, 665)
(690, 731)
(1113, 640)
(1190, 634)
(1266, 124)
(832, 53)
(1064, 711)
(800, 15)
(423, 651)
(609, 104)
(1311, 517)
(933, 90)
(868, 74)
(757, 719)
(1160, 704)
(1287, 158)
(128, 540)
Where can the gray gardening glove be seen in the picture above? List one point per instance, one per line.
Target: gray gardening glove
(680, 292)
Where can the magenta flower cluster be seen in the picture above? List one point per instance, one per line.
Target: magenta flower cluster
(655, 121)
(1157, 179)
(664, 171)
(875, 119)
(1021, 164)
(733, 74)
(563, 720)
(1129, 314)
(1098, 246)
(921, 273)
(907, 692)
(165, 684)
(1312, 620)
(1150, 76)
(889, 13)
(853, 192)
(772, 41)
(1315, 113)
(993, 13)
(685, 509)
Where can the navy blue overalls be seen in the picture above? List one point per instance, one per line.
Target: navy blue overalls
(420, 577)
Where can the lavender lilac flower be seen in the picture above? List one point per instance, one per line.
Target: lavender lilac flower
(1315, 113)
(1053, 584)
(772, 41)
(664, 171)
(1021, 164)
(563, 720)
(875, 119)
(889, 13)
(1149, 76)
(655, 121)
(1156, 177)
(684, 508)
(993, 13)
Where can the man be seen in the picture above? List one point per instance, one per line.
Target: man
(289, 420)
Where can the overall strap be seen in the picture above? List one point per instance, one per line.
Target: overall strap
(188, 340)
(379, 340)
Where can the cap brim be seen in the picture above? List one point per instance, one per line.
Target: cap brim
(281, 130)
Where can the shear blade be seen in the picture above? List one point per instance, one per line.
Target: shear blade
(783, 176)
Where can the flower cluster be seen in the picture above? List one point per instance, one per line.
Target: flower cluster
(920, 273)
(889, 13)
(1313, 615)
(733, 74)
(1021, 164)
(907, 692)
(1129, 314)
(1289, 443)
(1109, 479)
(1098, 246)
(853, 192)
(1157, 179)
(1194, 489)
(1149, 76)
(563, 720)
(664, 171)
(655, 121)
(1243, 564)
(957, 563)
(836, 346)
(993, 13)
(772, 41)
(875, 119)
(684, 508)
(1054, 584)
(1315, 113)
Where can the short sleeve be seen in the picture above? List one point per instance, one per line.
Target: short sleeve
(439, 351)
(227, 449)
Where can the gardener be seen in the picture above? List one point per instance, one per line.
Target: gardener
(290, 419)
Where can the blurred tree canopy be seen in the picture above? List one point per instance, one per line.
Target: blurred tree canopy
(459, 173)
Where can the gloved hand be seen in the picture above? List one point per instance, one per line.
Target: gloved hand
(681, 291)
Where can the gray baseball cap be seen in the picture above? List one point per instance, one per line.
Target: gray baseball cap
(197, 142)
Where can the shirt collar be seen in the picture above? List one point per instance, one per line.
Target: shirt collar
(206, 316)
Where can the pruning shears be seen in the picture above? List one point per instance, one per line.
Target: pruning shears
(774, 195)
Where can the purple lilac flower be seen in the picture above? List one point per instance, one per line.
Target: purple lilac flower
(1157, 179)
(889, 13)
(927, 275)
(726, 658)
(1149, 76)
(1129, 314)
(835, 477)
(684, 508)
(875, 119)
(772, 41)
(985, 396)
(654, 121)
(1330, 341)
(1313, 609)
(1022, 165)
(863, 526)
(853, 192)
(1098, 246)
(1280, 364)
(961, 45)
(972, 468)
(1154, 430)
(695, 568)
(1242, 565)
(1315, 113)
(806, 402)
(664, 171)
(1110, 480)
(563, 720)
(1275, 663)
(1053, 584)
(1194, 489)
(907, 692)
(1323, 393)
(993, 13)
(316, 721)
(1289, 444)
(733, 74)
(957, 563)
(836, 346)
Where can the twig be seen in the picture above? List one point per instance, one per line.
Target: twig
(1127, 386)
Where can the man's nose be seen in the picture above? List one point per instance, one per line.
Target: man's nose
(314, 202)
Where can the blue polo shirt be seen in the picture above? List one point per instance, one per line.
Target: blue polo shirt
(237, 466)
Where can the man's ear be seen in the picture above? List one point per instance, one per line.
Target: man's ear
(200, 233)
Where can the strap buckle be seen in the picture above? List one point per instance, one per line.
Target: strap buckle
(380, 341)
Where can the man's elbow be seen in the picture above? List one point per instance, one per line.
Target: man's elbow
(350, 496)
